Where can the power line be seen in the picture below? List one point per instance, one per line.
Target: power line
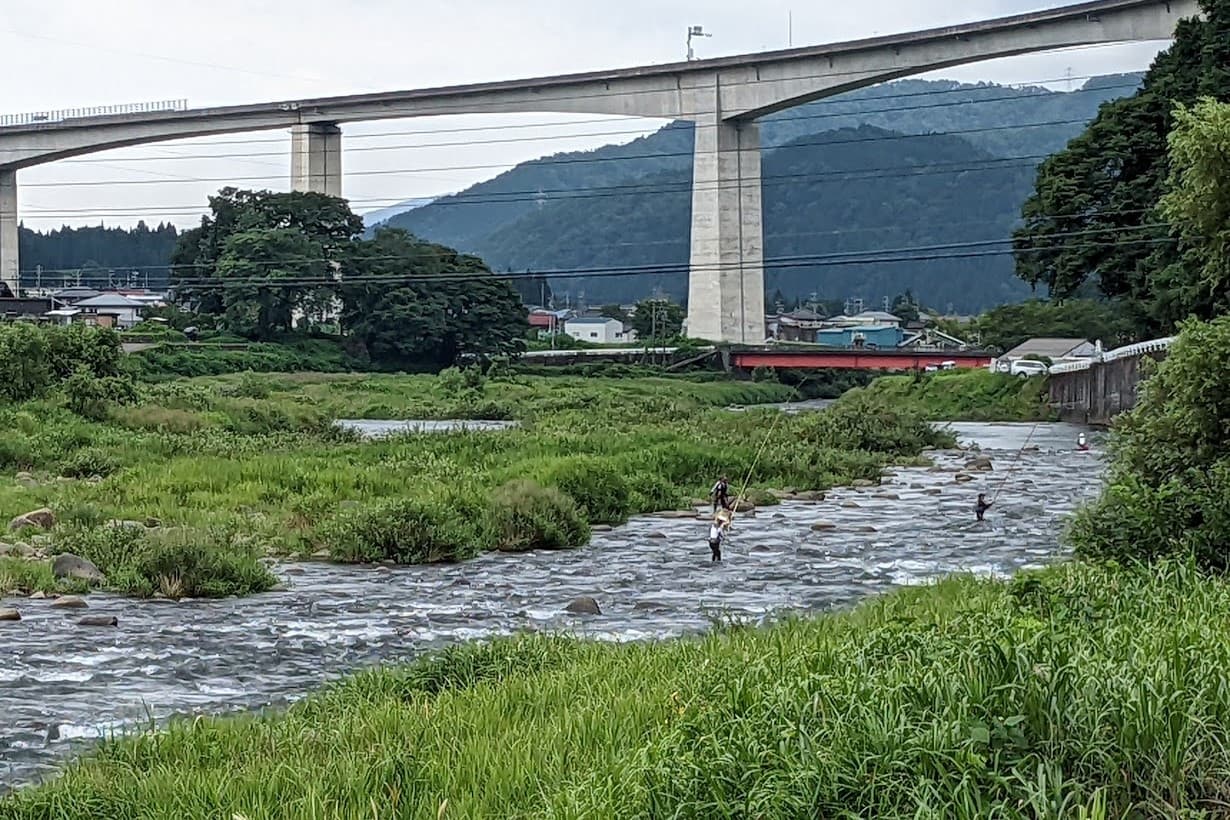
(887, 254)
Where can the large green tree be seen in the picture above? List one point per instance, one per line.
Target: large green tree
(1094, 215)
(657, 320)
(1006, 326)
(419, 305)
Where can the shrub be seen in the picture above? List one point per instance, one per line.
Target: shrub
(1168, 489)
(89, 462)
(90, 396)
(408, 531)
(597, 486)
(525, 515)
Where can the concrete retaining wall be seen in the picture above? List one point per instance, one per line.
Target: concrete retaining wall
(1098, 393)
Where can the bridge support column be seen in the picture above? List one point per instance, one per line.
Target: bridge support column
(726, 280)
(316, 159)
(9, 261)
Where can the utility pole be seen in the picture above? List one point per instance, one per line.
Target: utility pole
(695, 31)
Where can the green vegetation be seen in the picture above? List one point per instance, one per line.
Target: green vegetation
(1077, 692)
(1168, 492)
(1006, 326)
(293, 355)
(1097, 218)
(965, 395)
(231, 468)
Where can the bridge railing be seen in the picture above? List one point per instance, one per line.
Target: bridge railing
(1125, 352)
(95, 111)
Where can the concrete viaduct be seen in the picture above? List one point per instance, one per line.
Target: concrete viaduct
(723, 97)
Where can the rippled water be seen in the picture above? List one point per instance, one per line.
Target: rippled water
(379, 428)
(61, 683)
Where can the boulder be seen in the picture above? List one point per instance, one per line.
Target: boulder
(43, 519)
(980, 464)
(321, 555)
(25, 480)
(583, 606)
(851, 504)
(862, 482)
(9, 615)
(933, 491)
(99, 620)
(744, 506)
(69, 602)
(888, 496)
(37, 595)
(811, 495)
(68, 565)
(962, 478)
(821, 526)
(657, 536)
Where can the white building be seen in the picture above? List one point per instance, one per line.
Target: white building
(601, 330)
(126, 311)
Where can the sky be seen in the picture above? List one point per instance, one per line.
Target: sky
(76, 53)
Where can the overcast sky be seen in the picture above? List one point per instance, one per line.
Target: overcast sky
(76, 53)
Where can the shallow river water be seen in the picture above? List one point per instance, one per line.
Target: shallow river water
(62, 685)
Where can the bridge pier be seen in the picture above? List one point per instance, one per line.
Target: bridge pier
(10, 266)
(316, 158)
(726, 280)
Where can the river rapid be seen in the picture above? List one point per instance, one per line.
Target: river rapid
(62, 685)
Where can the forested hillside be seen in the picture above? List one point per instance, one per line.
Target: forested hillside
(95, 251)
(926, 191)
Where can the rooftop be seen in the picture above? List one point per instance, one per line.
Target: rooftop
(1052, 348)
(111, 300)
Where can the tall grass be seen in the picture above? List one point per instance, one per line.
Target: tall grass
(966, 395)
(1075, 692)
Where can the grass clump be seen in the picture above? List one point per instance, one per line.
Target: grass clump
(1079, 691)
(967, 395)
(19, 576)
(172, 563)
(407, 531)
(525, 516)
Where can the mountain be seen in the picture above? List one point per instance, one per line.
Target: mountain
(986, 120)
(925, 191)
(373, 218)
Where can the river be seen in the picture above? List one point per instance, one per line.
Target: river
(62, 685)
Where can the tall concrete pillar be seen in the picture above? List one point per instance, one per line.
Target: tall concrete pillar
(726, 280)
(316, 158)
(9, 262)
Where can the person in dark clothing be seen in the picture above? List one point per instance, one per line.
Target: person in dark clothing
(717, 534)
(981, 506)
(721, 494)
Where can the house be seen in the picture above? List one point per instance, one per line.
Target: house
(124, 311)
(796, 326)
(69, 296)
(861, 336)
(871, 318)
(548, 322)
(930, 338)
(24, 308)
(1054, 349)
(601, 330)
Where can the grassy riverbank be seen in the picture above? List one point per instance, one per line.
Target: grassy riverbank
(212, 474)
(1075, 692)
(966, 395)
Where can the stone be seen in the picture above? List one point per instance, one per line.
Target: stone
(69, 602)
(744, 506)
(43, 519)
(821, 526)
(934, 491)
(584, 606)
(153, 523)
(601, 528)
(865, 529)
(321, 555)
(862, 482)
(656, 535)
(851, 504)
(888, 496)
(980, 464)
(37, 595)
(67, 565)
(962, 478)
(25, 480)
(99, 620)
(9, 615)
(811, 495)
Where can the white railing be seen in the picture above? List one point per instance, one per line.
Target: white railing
(39, 117)
(1125, 352)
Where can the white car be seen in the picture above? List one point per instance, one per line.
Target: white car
(1027, 367)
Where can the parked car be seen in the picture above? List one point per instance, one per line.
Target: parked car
(1027, 367)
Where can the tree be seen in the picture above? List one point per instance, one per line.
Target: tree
(1093, 214)
(613, 312)
(657, 320)
(1007, 326)
(263, 276)
(1197, 203)
(422, 305)
(905, 307)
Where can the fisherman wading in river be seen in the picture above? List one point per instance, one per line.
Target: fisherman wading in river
(717, 533)
(721, 494)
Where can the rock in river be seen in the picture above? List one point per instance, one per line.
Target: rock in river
(43, 518)
(69, 602)
(821, 526)
(68, 565)
(980, 464)
(99, 620)
(583, 606)
(9, 615)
